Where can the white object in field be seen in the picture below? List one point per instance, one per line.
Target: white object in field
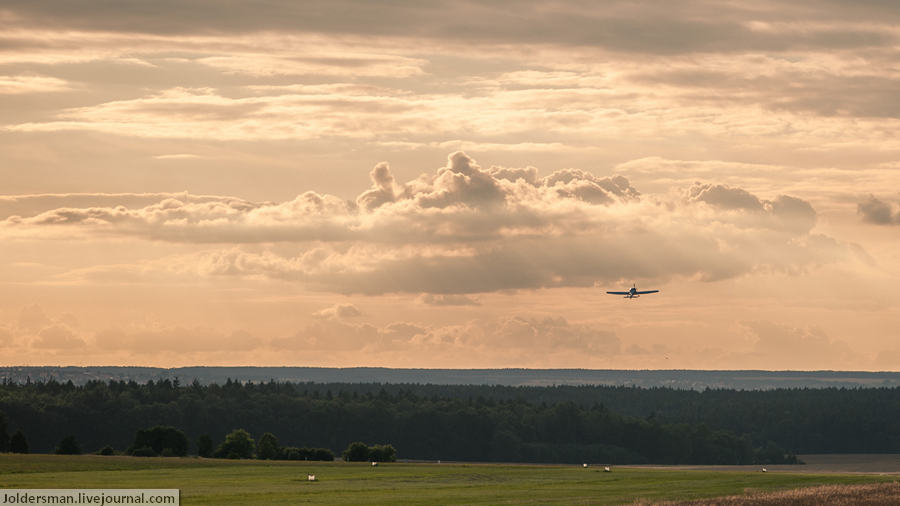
(606, 469)
(584, 465)
(374, 464)
(764, 470)
(311, 477)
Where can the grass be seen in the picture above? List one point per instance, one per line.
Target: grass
(212, 481)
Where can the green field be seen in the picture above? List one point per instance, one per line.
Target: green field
(211, 481)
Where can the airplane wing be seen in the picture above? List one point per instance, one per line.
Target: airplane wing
(648, 291)
(620, 293)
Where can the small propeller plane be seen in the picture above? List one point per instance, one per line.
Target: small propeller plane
(633, 293)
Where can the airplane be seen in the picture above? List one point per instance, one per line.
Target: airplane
(633, 293)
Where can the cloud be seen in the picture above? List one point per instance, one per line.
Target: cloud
(382, 191)
(502, 339)
(32, 318)
(339, 312)
(31, 205)
(431, 299)
(789, 212)
(154, 339)
(58, 337)
(877, 212)
(724, 197)
(41, 331)
(840, 87)
(781, 347)
(178, 156)
(460, 230)
(19, 85)
(695, 26)
(6, 336)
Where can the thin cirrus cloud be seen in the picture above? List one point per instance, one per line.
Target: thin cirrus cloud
(21, 84)
(460, 230)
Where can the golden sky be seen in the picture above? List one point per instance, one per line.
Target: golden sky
(450, 184)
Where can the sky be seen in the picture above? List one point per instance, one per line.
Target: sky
(451, 184)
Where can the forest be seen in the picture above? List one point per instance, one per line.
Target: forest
(469, 423)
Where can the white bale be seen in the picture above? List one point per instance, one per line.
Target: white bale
(311, 477)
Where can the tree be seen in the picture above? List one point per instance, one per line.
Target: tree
(382, 453)
(68, 446)
(323, 454)
(4, 437)
(356, 452)
(237, 445)
(162, 439)
(204, 446)
(267, 447)
(17, 443)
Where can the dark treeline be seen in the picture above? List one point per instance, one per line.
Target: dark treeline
(474, 423)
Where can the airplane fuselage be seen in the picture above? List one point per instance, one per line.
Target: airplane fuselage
(633, 292)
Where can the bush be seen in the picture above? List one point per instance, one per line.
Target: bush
(382, 453)
(106, 450)
(294, 453)
(360, 452)
(291, 453)
(4, 437)
(322, 454)
(267, 448)
(143, 451)
(163, 440)
(204, 446)
(356, 452)
(68, 446)
(18, 443)
(238, 445)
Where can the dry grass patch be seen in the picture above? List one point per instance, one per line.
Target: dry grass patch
(833, 495)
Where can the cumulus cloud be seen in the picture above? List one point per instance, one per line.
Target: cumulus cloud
(339, 312)
(382, 191)
(58, 337)
(724, 197)
(32, 318)
(510, 337)
(877, 212)
(778, 346)
(463, 229)
(789, 212)
(34, 204)
(35, 328)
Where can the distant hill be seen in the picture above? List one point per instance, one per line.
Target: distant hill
(680, 379)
